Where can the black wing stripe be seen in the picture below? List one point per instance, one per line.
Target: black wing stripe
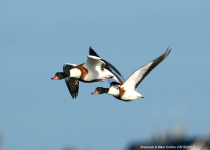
(115, 69)
(73, 87)
(118, 78)
(154, 64)
(114, 83)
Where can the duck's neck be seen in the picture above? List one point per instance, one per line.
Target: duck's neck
(104, 90)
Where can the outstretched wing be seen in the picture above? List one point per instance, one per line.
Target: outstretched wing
(73, 86)
(108, 65)
(138, 76)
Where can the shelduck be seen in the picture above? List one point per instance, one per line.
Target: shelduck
(95, 69)
(127, 91)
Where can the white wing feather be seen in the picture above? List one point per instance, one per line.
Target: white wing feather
(131, 82)
(93, 62)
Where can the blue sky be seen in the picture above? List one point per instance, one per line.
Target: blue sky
(38, 37)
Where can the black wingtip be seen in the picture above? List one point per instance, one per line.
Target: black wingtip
(168, 51)
(92, 52)
(115, 69)
(74, 96)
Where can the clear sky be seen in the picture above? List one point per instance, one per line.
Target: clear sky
(38, 37)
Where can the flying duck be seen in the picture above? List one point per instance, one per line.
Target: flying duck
(95, 69)
(127, 91)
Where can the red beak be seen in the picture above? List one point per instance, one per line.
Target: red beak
(55, 78)
(95, 92)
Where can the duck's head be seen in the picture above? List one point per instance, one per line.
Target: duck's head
(59, 76)
(100, 90)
